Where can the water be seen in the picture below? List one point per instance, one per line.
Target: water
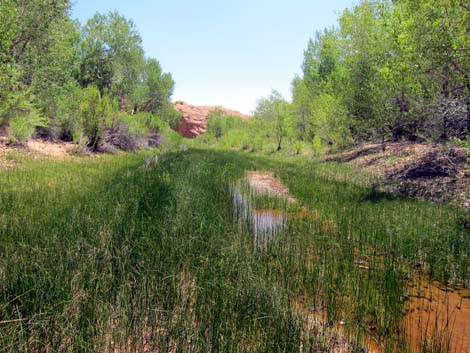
(264, 224)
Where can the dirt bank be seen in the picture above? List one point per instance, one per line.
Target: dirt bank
(436, 173)
(10, 155)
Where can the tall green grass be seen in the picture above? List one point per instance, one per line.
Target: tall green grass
(142, 253)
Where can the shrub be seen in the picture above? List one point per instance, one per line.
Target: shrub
(24, 126)
(23, 119)
(68, 113)
(96, 112)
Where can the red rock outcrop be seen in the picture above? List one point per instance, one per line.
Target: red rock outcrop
(194, 118)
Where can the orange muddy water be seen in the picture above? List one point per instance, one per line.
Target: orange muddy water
(437, 314)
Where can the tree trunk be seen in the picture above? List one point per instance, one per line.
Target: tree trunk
(279, 141)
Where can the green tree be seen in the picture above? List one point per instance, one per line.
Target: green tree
(275, 112)
(54, 84)
(27, 35)
(437, 33)
(329, 124)
(154, 91)
(361, 34)
(321, 59)
(112, 56)
(301, 106)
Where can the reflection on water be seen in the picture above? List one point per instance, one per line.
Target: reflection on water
(265, 224)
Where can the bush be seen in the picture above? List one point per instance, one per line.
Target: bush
(68, 113)
(219, 124)
(143, 124)
(91, 119)
(96, 112)
(24, 126)
(22, 118)
(151, 130)
(257, 144)
(317, 145)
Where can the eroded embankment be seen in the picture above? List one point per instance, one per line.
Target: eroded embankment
(438, 173)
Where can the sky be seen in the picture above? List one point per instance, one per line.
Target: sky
(228, 53)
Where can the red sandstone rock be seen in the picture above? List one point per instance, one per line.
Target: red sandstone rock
(194, 118)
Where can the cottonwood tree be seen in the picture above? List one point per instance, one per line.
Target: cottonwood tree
(301, 107)
(275, 112)
(154, 91)
(396, 69)
(112, 57)
(27, 37)
(437, 31)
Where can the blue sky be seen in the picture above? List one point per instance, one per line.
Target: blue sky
(224, 52)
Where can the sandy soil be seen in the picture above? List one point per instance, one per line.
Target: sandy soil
(34, 149)
(4, 160)
(55, 150)
(266, 183)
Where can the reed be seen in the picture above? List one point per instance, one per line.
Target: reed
(126, 253)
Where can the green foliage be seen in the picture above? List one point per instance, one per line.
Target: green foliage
(275, 112)
(55, 71)
(96, 112)
(219, 124)
(214, 123)
(8, 28)
(11, 94)
(24, 126)
(67, 114)
(112, 55)
(23, 118)
(301, 107)
(112, 58)
(329, 121)
(29, 43)
(16, 107)
(463, 144)
(142, 124)
(153, 94)
(145, 124)
(317, 144)
(47, 63)
(171, 116)
(387, 70)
